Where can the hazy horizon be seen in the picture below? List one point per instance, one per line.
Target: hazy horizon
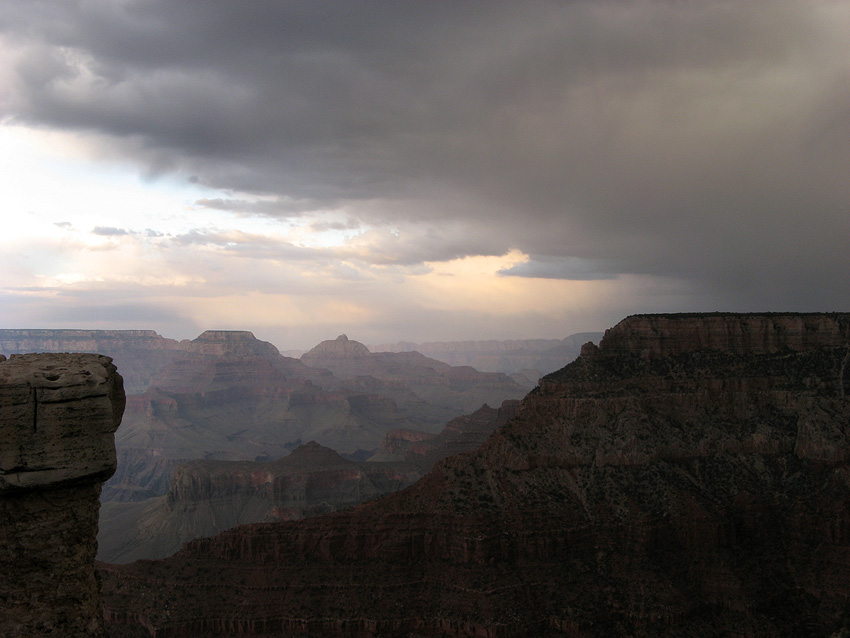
(420, 171)
(308, 346)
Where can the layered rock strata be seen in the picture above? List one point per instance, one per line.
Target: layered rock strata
(687, 477)
(58, 413)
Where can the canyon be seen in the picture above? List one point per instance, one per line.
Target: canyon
(688, 476)
(58, 413)
(207, 497)
(229, 396)
(226, 406)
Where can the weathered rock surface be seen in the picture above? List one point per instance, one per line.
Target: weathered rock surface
(231, 342)
(680, 479)
(58, 413)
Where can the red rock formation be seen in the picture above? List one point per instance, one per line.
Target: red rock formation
(687, 477)
(667, 335)
(399, 441)
(238, 407)
(57, 416)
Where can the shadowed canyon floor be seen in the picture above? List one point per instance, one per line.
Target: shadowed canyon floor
(208, 497)
(687, 477)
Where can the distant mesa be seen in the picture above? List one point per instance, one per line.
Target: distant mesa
(231, 342)
(141, 355)
(341, 346)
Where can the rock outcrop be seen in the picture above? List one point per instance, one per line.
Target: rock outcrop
(679, 479)
(58, 413)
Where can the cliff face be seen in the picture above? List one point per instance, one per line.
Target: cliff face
(668, 335)
(678, 480)
(57, 418)
(232, 342)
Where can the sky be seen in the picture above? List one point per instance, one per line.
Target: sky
(421, 171)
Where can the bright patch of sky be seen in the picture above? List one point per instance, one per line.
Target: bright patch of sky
(52, 185)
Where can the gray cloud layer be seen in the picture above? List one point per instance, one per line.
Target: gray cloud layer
(708, 142)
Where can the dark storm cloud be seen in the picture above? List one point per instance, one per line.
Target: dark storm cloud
(109, 231)
(705, 141)
(248, 245)
(322, 226)
(560, 268)
(277, 207)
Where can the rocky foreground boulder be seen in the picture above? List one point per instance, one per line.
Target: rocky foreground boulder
(58, 413)
(688, 477)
